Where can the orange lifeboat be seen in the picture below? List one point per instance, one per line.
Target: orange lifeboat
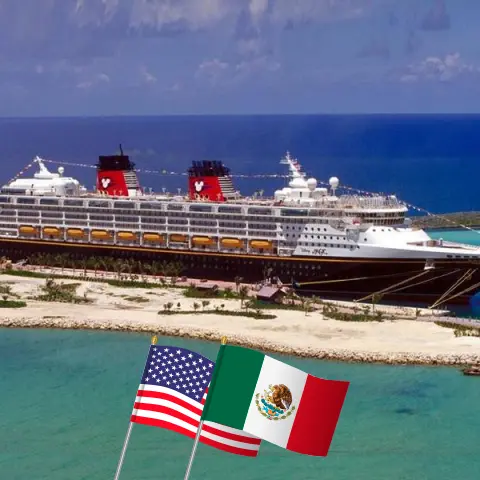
(101, 235)
(265, 244)
(127, 236)
(202, 241)
(231, 243)
(75, 233)
(27, 230)
(178, 238)
(153, 238)
(51, 231)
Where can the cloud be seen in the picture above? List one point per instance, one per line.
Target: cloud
(257, 9)
(212, 70)
(257, 65)
(444, 69)
(292, 13)
(96, 80)
(147, 76)
(437, 17)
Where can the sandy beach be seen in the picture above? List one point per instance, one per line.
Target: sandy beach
(404, 340)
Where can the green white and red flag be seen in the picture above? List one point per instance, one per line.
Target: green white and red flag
(274, 401)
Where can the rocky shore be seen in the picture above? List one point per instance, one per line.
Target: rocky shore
(214, 335)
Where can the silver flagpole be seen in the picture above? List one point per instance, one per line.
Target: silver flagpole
(194, 449)
(199, 431)
(124, 451)
(129, 432)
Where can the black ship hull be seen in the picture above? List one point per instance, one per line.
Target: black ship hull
(348, 278)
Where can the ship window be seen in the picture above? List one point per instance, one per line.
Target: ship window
(259, 211)
(4, 199)
(48, 201)
(224, 209)
(200, 208)
(150, 206)
(123, 205)
(99, 203)
(73, 203)
(26, 200)
(175, 206)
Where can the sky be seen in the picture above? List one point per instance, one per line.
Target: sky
(162, 57)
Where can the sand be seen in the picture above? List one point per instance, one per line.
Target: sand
(292, 332)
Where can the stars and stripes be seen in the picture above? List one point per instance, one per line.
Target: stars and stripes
(172, 393)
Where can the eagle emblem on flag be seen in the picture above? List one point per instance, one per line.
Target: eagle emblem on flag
(275, 403)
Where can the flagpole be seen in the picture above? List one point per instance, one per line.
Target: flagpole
(124, 451)
(197, 437)
(127, 436)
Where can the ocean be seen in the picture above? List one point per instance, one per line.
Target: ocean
(428, 161)
(67, 395)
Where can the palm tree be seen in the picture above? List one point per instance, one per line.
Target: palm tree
(176, 269)
(96, 264)
(72, 261)
(84, 262)
(291, 295)
(105, 263)
(154, 268)
(205, 303)
(238, 281)
(119, 267)
(62, 260)
(165, 268)
(249, 304)
(376, 298)
(306, 306)
(196, 306)
(242, 294)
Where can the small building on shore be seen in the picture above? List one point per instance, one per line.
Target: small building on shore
(271, 294)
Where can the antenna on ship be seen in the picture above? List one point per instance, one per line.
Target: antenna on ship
(121, 150)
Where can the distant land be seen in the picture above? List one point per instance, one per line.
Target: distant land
(448, 220)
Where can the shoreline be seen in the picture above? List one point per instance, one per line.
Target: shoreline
(213, 335)
(404, 337)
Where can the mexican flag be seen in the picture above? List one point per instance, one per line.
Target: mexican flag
(267, 398)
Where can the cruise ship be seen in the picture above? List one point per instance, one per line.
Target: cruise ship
(308, 236)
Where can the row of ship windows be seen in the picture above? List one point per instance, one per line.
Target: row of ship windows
(82, 211)
(54, 214)
(201, 209)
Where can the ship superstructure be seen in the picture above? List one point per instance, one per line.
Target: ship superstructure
(306, 234)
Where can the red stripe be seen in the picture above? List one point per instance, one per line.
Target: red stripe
(171, 398)
(172, 412)
(207, 428)
(231, 436)
(317, 416)
(207, 441)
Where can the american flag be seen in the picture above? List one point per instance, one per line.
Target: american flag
(172, 393)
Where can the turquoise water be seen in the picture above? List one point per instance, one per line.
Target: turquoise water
(471, 237)
(67, 396)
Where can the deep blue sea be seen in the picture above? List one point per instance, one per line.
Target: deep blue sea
(429, 161)
(66, 396)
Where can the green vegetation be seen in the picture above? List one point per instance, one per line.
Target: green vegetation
(448, 220)
(217, 311)
(135, 298)
(6, 291)
(461, 330)
(12, 303)
(331, 311)
(61, 292)
(126, 269)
